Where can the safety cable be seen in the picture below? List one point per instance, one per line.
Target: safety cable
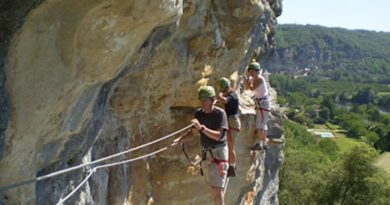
(3, 188)
(105, 166)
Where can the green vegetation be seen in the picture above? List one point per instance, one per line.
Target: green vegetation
(354, 109)
(335, 53)
(314, 172)
(334, 80)
(345, 143)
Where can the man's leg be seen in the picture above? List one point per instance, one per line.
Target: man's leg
(234, 129)
(217, 175)
(263, 138)
(232, 170)
(260, 135)
(218, 195)
(265, 111)
(232, 152)
(264, 129)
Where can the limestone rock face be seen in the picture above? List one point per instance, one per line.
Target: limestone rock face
(85, 79)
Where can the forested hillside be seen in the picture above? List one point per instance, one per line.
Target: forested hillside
(333, 81)
(336, 53)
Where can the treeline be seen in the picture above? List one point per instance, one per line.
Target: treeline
(315, 172)
(312, 103)
(335, 53)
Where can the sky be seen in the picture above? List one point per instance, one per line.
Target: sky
(350, 14)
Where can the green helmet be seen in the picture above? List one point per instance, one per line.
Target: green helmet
(255, 66)
(224, 83)
(206, 92)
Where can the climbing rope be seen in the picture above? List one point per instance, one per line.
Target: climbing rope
(3, 188)
(105, 166)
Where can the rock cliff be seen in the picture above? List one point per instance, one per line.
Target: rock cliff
(80, 80)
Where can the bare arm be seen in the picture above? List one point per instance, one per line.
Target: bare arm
(221, 98)
(246, 82)
(213, 134)
(252, 86)
(185, 137)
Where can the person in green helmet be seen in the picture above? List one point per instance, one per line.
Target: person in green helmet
(256, 82)
(210, 122)
(229, 98)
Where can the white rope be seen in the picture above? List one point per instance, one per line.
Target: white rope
(2, 188)
(77, 188)
(105, 166)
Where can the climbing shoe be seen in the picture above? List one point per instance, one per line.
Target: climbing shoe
(232, 171)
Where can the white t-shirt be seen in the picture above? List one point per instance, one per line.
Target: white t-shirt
(261, 90)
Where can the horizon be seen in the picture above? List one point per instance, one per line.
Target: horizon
(333, 27)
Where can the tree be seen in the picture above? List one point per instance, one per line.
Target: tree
(372, 138)
(384, 101)
(324, 114)
(373, 112)
(315, 173)
(329, 147)
(328, 102)
(355, 128)
(297, 99)
(364, 96)
(344, 96)
(355, 181)
(383, 131)
(354, 124)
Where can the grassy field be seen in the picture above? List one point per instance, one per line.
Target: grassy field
(343, 142)
(346, 143)
(383, 161)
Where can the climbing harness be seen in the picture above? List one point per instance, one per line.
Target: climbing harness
(234, 129)
(198, 163)
(259, 106)
(218, 162)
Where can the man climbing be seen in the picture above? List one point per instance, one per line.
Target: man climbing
(256, 82)
(211, 122)
(228, 97)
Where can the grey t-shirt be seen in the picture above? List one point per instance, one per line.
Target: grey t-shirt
(213, 120)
